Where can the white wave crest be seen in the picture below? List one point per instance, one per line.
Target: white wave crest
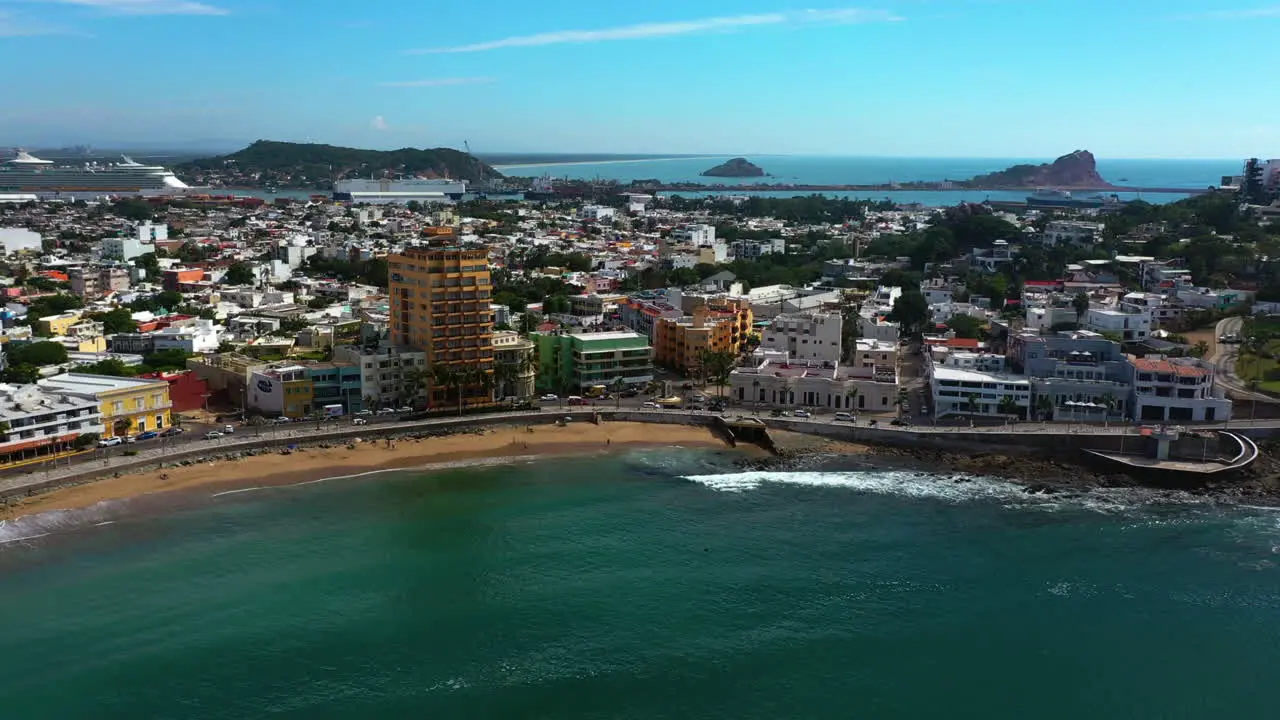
(951, 488)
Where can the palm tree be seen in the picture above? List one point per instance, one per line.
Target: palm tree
(1112, 403)
(1044, 406)
(442, 376)
(1200, 349)
(850, 395)
(755, 395)
(618, 384)
(462, 379)
(1008, 407)
(256, 422)
(504, 376)
(971, 404)
(4, 431)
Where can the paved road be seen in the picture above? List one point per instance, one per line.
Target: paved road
(1225, 356)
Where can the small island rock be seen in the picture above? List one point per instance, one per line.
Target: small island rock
(737, 167)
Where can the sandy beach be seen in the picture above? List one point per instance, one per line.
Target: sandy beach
(222, 475)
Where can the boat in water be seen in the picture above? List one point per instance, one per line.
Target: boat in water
(26, 174)
(1062, 199)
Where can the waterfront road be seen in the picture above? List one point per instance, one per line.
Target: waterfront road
(309, 433)
(1225, 356)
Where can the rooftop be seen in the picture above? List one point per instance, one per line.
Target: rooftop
(93, 384)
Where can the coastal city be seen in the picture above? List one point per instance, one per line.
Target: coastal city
(133, 319)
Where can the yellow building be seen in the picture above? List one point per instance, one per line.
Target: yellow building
(283, 390)
(129, 405)
(57, 325)
(720, 325)
(440, 305)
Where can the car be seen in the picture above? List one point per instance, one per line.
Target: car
(385, 411)
(549, 397)
(846, 417)
(149, 435)
(109, 442)
(212, 435)
(359, 421)
(172, 432)
(228, 429)
(630, 393)
(651, 406)
(365, 412)
(281, 420)
(404, 409)
(802, 414)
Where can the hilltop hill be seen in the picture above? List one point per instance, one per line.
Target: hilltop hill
(309, 165)
(1077, 169)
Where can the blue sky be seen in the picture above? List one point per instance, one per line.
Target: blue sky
(970, 78)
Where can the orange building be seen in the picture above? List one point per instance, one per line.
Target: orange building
(440, 304)
(720, 325)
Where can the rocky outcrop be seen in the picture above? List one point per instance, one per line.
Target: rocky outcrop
(1078, 170)
(735, 168)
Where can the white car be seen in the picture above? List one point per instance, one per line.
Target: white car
(212, 435)
(364, 412)
(386, 411)
(651, 406)
(108, 442)
(281, 420)
(801, 414)
(549, 398)
(359, 421)
(404, 409)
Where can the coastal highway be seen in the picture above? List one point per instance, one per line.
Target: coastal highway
(306, 432)
(1225, 356)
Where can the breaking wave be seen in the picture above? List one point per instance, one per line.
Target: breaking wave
(952, 488)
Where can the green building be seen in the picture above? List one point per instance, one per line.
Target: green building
(572, 363)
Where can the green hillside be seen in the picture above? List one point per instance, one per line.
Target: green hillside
(310, 165)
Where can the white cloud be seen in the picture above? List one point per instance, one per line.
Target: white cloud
(146, 7)
(671, 29)
(379, 123)
(437, 82)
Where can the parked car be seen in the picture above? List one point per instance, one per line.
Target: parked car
(108, 442)
(386, 411)
(549, 397)
(365, 412)
(847, 417)
(802, 414)
(149, 435)
(359, 421)
(404, 409)
(172, 432)
(281, 420)
(651, 406)
(212, 435)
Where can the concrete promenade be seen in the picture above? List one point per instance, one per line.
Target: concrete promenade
(1018, 437)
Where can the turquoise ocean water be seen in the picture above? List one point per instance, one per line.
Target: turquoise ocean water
(654, 584)
(815, 170)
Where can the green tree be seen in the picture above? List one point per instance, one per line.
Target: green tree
(971, 406)
(1009, 406)
(110, 366)
(21, 374)
(910, 311)
(717, 365)
(119, 320)
(238, 274)
(37, 353)
(967, 326)
(1081, 304)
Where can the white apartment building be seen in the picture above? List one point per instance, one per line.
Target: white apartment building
(1177, 389)
(1075, 232)
(199, 337)
(1042, 319)
(1163, 310)
(124, 248)
(386, 379)
(600, 213)
(805, 337)
(43, 420)
(248, 297)
(698, 235)
(1130, 322)
(953, 386)
(874, 353)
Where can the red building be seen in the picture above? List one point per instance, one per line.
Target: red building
(187, 390)
(174, 279)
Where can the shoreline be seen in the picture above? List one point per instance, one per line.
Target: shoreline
(233, 473)
(604, 162)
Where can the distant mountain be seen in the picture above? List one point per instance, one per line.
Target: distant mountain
(1077, 169)
(737, 167)
(307, 165)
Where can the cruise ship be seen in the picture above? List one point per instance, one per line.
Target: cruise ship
(26, 174)
(1062, 199)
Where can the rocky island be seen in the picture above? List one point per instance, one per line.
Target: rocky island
(735, 168)
(1074, 170)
